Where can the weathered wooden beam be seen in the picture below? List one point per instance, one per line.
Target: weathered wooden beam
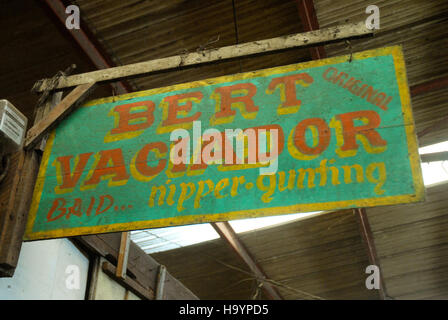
(57, 114)
(142, 267)
(94, 271)
(210, 55)
(123, 254)
(436, 156)
(56, 98)
(16, 192)
(225, 230)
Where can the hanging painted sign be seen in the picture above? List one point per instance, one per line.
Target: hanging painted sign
(322, 135)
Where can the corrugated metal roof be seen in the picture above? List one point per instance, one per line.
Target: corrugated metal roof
(412, 245)
(135, 31)
(420, 27)
(322, 255)
(163, 239)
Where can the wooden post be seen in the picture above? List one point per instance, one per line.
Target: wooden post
(141, 266)
(123, 254)
(16, 192)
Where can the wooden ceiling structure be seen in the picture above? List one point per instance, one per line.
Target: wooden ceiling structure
(321, 257)
(324, 256)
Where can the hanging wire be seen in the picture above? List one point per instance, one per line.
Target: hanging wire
(257, 292)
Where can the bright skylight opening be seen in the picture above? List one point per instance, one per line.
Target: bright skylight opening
(438, 147)
(244, 225)
(434, 172)
(163, 239)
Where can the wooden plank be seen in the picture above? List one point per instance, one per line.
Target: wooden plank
(435, 126)
(142, 266)
(93, 282)
(128, 283)
(226, 232)
(14, 213)
(246, 49)
(57, 114)
(425, 233)
(123, 255)
(386, 220)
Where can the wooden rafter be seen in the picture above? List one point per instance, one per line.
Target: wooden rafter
(86, 41)
(310, 22)
(369, 242)
(123, 254)
(429, 86)
(226, 232)
(308, 17)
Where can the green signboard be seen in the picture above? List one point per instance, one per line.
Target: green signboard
(322, 135)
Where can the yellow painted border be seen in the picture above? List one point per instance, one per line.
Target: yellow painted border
(395, 51)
